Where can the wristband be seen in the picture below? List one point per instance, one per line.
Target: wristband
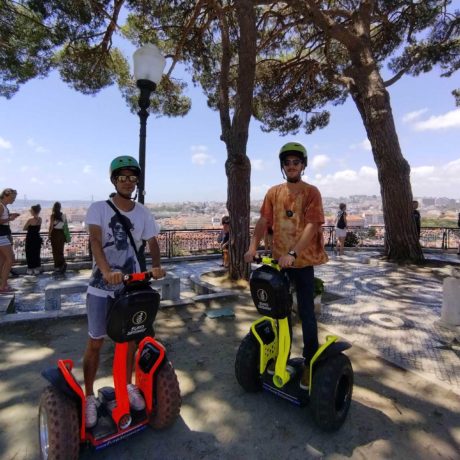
(292, 253)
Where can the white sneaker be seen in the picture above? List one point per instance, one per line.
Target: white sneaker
(29, 271)
(36, 271)
(92, 404)
(136, 400)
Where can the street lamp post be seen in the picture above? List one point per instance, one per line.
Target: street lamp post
(148, 68)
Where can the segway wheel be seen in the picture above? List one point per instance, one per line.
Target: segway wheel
(332, 389)
(247, 364)
(58, 425)
(166, 397)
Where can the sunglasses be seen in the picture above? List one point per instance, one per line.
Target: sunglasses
(132, 179)
(291, 162)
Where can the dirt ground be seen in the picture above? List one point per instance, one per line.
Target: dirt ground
(394, 414)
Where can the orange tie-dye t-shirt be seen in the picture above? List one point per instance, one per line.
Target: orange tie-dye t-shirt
(305, 206)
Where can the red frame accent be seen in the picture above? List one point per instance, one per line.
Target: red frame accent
(120, 382)
(66, 366)
(145, 382)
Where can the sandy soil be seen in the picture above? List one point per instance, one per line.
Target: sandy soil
(394, 414)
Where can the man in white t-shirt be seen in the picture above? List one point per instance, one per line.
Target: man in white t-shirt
(114, 256)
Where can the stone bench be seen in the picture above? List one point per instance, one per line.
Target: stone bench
(169, 286)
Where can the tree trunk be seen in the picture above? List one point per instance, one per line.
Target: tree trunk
(238, 170)
(235, 136)
(373, 102)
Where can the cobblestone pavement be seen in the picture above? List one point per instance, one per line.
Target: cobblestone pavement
(387, 309)
(392, 311)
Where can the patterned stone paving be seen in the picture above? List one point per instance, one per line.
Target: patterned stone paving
(384, 308)
(392, 311)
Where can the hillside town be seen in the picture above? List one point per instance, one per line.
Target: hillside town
(363, 211)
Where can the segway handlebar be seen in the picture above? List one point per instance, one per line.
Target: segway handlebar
(267, 260)
(133, 277)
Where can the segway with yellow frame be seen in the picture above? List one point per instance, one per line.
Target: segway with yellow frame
(269, 341)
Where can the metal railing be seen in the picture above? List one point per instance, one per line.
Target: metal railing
(176, 243)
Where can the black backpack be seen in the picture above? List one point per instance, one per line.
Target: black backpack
(341, 222)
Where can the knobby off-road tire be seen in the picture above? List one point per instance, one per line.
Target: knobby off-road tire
(332, 389)
(247, 364)
(166, 398)
(58, 426)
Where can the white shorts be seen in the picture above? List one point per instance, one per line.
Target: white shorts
(340, 232)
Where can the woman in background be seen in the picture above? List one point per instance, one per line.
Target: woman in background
(341, 228)
(33, 241)
(6, 248)
(57, 237)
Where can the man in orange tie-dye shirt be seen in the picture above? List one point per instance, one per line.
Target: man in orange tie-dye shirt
(294, 210)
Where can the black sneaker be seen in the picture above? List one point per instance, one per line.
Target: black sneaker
(14, 273)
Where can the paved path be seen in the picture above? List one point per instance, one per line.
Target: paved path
(392, 311)
(395, 414)
(387, 309)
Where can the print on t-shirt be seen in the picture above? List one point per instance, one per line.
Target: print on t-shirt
(118, 250)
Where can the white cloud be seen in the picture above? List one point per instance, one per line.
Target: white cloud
(448, 120)
(367, 172)
(4, 144)
(37, 147)
(411, 116)
(320, 161)
(202, 159)
(347, 175)
(257, 165)
(200, 156)
(422, 171)
(258, 191)
(34, 180)
(87, 169)
(363, 145)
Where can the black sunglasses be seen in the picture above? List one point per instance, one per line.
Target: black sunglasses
(292, 162)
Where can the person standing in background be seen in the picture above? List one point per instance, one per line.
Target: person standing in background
(33, 241)
(458, 225)
(6, 242)
(224, 240)
(57, 237)
(416, 217)
(341, 225)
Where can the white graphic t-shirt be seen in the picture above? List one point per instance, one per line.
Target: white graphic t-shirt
(116, 243)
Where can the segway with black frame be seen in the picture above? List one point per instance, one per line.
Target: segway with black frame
(62, 428)
(269, 341)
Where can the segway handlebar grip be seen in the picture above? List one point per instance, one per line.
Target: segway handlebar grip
(142, 276)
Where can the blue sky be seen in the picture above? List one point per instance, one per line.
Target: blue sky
(56, 144)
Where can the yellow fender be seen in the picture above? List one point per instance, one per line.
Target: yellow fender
(330, 339)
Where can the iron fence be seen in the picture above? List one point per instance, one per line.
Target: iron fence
(174, 243)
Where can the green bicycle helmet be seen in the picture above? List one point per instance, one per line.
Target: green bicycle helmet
(293, 148)
(124, 162)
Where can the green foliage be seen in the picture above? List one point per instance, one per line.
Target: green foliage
(312, 58)
(371, 232)
(318, 287)
(351, 240)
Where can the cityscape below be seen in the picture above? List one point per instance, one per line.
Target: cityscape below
(363, 211)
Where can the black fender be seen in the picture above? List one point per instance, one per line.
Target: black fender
(333, 349)
(58, 381)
